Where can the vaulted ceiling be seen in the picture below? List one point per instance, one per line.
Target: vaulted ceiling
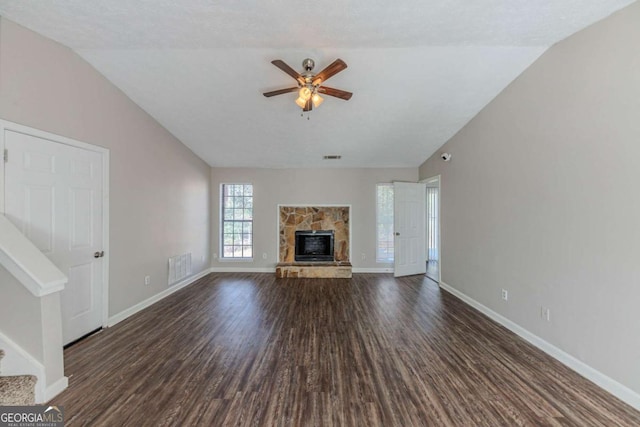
(419, 69)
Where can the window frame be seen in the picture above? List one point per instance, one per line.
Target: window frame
(222, 221)
(388, 259)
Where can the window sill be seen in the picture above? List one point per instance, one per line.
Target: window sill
(235, 259)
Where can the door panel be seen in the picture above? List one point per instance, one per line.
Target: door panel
(39, 162)
(80, 201)
(409, 226)
(79, 300)
(38, 217)
(53, 193)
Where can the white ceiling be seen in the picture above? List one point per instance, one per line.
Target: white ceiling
(419, 69)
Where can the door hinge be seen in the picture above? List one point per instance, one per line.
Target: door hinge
(6, 155)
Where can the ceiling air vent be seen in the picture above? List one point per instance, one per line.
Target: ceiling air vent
(332, 157)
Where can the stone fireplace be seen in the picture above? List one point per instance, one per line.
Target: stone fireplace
(305, 220)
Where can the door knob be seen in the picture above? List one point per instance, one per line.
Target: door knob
(98, 254)
(397, 234)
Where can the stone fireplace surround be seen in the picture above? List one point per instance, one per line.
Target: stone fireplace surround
(317, 217)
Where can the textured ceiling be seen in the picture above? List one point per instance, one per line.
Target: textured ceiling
(419, 69)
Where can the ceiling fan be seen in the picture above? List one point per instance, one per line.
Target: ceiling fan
(310, 85)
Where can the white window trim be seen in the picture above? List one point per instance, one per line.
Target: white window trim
(221, 257)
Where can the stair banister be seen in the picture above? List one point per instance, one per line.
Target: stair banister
(27, 263)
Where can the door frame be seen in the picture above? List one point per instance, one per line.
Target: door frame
(426, 181)
(104, 152)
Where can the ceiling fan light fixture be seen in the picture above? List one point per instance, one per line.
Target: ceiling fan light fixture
(317, 100)
(301, 102)
(305, 93)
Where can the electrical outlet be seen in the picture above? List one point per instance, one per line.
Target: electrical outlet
(147, 280)
(202, 258)
(364, 256)
(505, 295)
(545, 313)
(215, 255)
(264, 255)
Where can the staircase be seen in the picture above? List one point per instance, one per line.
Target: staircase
(18, 390)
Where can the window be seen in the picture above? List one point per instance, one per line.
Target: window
(237, 221)
(432, 223)
(384, 223)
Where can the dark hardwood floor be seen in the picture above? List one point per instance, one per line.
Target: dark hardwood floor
(248, 349)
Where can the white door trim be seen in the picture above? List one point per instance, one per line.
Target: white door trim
(15, 127)
(426, 181)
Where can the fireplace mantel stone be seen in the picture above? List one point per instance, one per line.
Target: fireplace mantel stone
(296, 218)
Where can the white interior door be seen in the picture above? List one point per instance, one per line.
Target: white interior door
(409, 228)
(53, 193)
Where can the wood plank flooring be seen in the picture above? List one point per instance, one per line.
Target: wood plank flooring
(252, 350)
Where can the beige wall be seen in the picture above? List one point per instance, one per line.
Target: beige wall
(159, 190)
(19, 313)
(34, 324)
(542, 197)
(355, 187)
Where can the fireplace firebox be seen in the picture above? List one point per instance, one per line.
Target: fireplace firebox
(314, 245)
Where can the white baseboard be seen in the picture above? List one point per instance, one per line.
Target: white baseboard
(620, 391)
(372, 270)
(54, 389)
(113, 320)
(17, 361)
(243, 270)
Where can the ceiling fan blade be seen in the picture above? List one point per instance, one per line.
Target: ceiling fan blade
(342, 94)
(280, 91)
(284, 67)
(308, 106)
(334, 68)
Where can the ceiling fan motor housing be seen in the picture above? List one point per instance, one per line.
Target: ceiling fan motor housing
(308, 64)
